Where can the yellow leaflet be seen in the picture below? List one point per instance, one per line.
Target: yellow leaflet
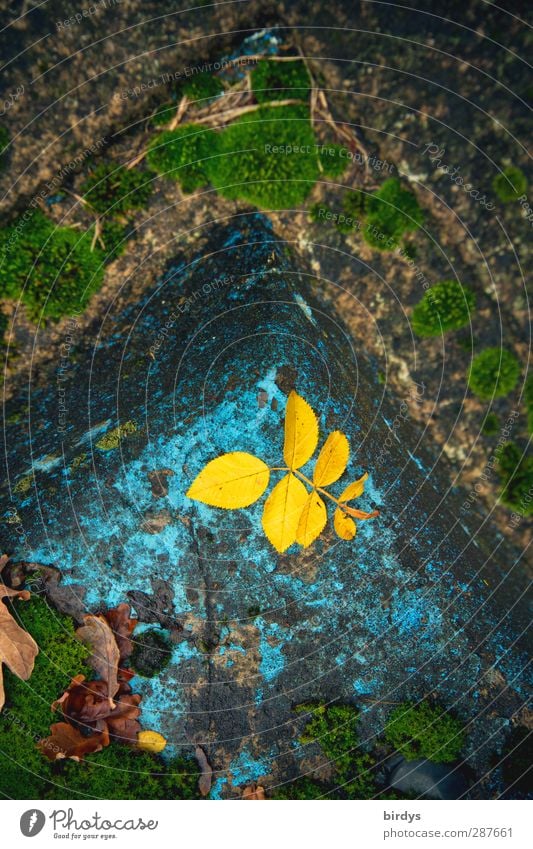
(312, 521)
(354, 490)
(301, 432)
(282, 512)
(332, 459)
(345, 527)
(231, 481)
(151, 741)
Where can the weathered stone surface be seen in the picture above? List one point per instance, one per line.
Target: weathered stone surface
(429, 780)
(419, 603)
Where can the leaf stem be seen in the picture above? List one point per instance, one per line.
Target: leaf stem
(351, 511)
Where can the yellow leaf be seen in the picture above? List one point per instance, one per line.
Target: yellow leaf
(150, 741)
(231, 481)
(282, 512)
(332, 459)
(312, 521)
(345, 527)
(301, 432)
(354, 490)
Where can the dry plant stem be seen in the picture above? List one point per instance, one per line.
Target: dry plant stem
(224, 116)
(180, 112)
(351, 511)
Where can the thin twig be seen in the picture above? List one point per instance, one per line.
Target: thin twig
(180, 112)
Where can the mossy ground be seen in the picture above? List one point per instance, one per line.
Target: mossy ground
(424, 731)
(392, 211)
(117, 772)
(515, 469)
(446, 306)
(274, 80)
(494, 373)
(510, 184)
(51, 269)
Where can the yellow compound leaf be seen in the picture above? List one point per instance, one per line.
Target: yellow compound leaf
(301, 431)
(354, 490)
(282, 512)
(332, 459)
(233, 480)
(151, 741)
(312, 521)
(345, 527)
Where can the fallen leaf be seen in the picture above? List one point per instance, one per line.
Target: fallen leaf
(18, 649)
(332, 460)
(312, 520)
(253, 791)
(231, 481)
(345, 528)
(205, 780)
(97, 634)
(122, 626)
(65, 741)
(282, 512)
(151, 741)
(301, 431)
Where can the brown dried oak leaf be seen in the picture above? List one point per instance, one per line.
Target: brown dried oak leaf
(18, 649)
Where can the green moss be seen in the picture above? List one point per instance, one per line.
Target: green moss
(114, 237)
(392, 211)
(151, 653)
(334, 728)
(510, 184)
(121, 772)
(4, 141)
(493, 373)
(252, 161)
(424, 731)
(118, 772)
(355, 203)
(52, 269)
(317, 212)
(528, 400)
(112, 439)
(491, 425)
(332, 158)
(112, 188)
(181, 154)
(272, 80)
(26, 716)
(446, 306)
(202, 86)
(302, 788)
(516, 476)
(163, 114)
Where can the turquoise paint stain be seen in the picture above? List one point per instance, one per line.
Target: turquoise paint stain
(245, 768)
(272, 659)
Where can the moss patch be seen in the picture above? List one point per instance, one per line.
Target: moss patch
(272, 80)
(392, 211)
(117, 772)
(446, 306)
(181, 154)
(334, 728)
(493, 373)
(424, 731)
(51, 269)
(112, 188)
(515, 469)
(510, 184)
